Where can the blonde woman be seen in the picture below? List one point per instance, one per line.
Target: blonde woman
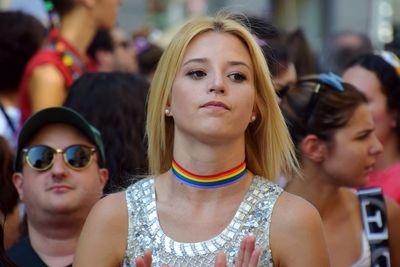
(216, 140)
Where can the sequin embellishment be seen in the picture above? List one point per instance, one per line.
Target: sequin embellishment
(144, 231)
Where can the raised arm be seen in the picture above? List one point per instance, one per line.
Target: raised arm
(297, 237)
(46, 87)
(104, 235)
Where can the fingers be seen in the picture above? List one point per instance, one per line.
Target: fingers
(144, 261)
(250, 245)
(255, 256)
(240, 256)
(139, 262)
(248, 254)
(220, 261)
(148, 258)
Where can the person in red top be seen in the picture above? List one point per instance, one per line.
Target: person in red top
(62, 59)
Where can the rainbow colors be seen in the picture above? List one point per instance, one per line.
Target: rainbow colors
(206, 181)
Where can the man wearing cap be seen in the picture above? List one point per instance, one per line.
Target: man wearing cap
(59, 176)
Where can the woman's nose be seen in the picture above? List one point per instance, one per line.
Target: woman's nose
(217, 85)
(376, 147)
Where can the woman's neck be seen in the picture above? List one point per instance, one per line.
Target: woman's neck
(208, 159)
(204, 159)
(78, 28)
(314, 188)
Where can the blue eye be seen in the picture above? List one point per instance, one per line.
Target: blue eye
(196, 74)
(237, 77)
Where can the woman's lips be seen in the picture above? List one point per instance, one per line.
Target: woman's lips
(215, 104)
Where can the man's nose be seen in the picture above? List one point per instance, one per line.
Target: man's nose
(59, 168)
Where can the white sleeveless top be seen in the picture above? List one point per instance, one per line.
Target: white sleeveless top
(144, 231)
(365, 258)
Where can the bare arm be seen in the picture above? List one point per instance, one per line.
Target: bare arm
(46, 87)
(104, 235)
(393, 217)
(297, 237)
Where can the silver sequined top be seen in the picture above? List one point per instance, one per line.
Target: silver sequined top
(253, 216)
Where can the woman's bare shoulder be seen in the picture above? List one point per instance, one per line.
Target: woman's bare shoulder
(108, 204)
(296, 231)
(294, 211)
(108, 220)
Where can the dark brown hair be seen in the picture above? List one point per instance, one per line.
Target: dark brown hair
(331, 111)
(389, 80)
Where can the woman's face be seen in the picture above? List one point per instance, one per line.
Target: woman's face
(213, 95)
(368, 83)
(352, 152)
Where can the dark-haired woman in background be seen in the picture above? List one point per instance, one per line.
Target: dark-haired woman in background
(62, 60)
(377, 76)
(22, 35)
(115, 104)
(333, 132)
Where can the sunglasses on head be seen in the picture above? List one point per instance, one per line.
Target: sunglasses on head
(41, 157)
(317, 82)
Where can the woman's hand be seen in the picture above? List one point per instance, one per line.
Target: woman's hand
(144, 261)
(248, 254)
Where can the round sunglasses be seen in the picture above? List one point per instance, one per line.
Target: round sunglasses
(41, 157)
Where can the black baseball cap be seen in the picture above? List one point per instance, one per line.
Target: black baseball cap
(58, 115)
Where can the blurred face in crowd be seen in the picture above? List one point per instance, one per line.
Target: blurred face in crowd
(124, 52)
(354, 146)
(368, 83)
(213, 95)
(288, 75)
(60, 189)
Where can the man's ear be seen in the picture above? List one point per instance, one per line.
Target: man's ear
(18, 181)
(103, 177)
(313, 148)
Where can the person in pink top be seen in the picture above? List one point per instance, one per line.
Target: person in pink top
(377, 76)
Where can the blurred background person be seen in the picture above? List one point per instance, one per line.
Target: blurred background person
(62, 60)
(11, 211)
(273, 42)
(147, 54)
(111, 50)
(301, 53)
(21, 36)
(100, 51)
(336, 145)
(342, 48)
(377, 76)
(124, 51)
(115, 104)
(58, 191)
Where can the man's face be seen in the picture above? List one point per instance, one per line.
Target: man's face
(124, 53)
(60, 189)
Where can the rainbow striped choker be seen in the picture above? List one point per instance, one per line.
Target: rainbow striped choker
(207, 181)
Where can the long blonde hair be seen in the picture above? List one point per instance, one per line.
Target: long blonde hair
(269, 148)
